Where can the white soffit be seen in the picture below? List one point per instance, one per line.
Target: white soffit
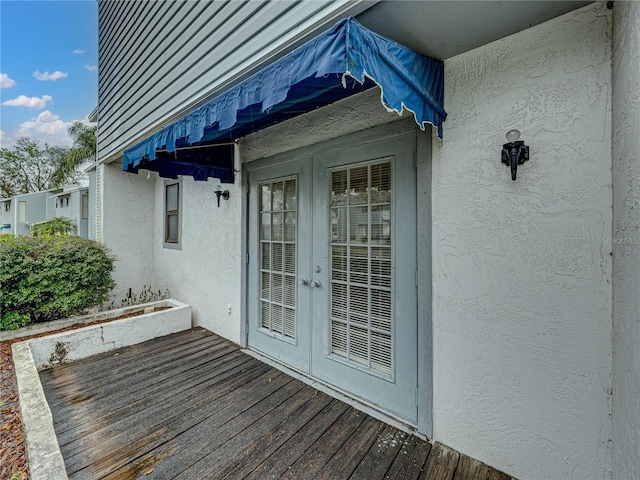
(443, 29)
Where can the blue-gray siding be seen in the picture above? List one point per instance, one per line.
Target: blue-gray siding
(158, 60)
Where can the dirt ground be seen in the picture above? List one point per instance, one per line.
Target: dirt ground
(13, 457)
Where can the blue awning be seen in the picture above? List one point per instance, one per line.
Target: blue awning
(343, 61)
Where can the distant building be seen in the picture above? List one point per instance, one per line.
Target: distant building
(20, 213)
(73, 203)
(6, 216)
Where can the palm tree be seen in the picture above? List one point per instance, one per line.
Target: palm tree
(84, 147)
(54, 226)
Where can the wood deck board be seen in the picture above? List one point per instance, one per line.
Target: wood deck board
(349, 455)
(381, 454)
(471, 469)
(124, 426)
(174, 442)
(242, 448)
(216, 430)
(110, 409)
(192, 405)
(441, 463)
(164, 398)
(329, 442)
(493, 474)
(138, 357)
(112, 381)
(262, 447)
(410, 460)
(128, 381)
(197, 428)
(289, 452)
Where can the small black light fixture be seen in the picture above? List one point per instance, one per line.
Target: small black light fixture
(515, 152)
(221, 193)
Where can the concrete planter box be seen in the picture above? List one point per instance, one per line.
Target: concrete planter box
(86, 320)
(45, 459)
(76, 344)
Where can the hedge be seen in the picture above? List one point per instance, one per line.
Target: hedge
(49, 277)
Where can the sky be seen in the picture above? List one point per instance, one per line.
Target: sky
(48, 68)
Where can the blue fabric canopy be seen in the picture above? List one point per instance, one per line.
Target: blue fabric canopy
(343, 61)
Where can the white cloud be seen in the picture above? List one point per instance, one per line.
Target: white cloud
(5, 81)
(79, 51)
(46, 127)
(91, 68)
(43, 77)
(29, 102)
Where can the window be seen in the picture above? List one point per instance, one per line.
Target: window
(22, 212)
(7, 206)
(361, 329)
(85, 207)
(172, 196)
(278, 224)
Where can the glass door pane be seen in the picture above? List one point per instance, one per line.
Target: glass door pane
(364, 299)
(361, 324)
(278, 228)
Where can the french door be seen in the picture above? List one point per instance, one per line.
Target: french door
(332, 267)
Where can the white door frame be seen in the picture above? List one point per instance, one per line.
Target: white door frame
(424, 251)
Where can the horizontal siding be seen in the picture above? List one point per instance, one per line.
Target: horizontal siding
(158, 60)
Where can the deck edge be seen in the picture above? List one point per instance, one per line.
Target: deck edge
(43, 451)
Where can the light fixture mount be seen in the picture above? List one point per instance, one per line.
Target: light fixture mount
(221, 193)
(514, 152)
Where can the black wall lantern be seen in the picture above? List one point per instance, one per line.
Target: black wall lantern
(515, 152)
(220, 193)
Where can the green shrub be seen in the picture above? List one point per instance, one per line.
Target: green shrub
(49, 277)
(55, 226)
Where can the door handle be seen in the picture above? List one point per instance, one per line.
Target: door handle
(315, 284)
(303, 282)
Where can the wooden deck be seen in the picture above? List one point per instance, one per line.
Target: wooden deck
(193, 406)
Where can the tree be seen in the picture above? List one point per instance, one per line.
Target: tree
(85, 142)
(28, 168)
(54, 226)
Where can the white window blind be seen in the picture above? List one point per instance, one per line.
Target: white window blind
(361, 322)
(278, 229)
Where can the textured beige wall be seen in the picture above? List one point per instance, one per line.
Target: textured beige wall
(626, 240)
(522, 270)
(128, 228)
(205, 272)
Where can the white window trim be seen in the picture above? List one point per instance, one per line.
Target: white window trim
(171, 245)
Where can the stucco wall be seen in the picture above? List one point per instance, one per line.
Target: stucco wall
(206, 271)
(128, 228)
(353, 114)
(522, 270)
(626, 240)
